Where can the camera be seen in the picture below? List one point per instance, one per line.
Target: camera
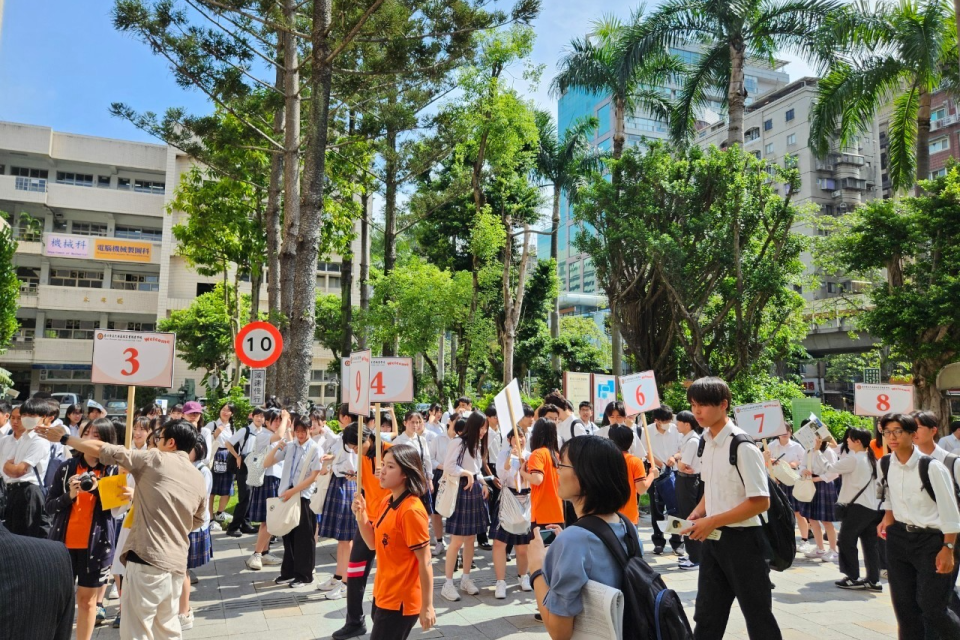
(87, 480)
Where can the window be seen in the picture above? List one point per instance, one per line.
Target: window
(26, 172)
(103, 182)
(826, 209)
(798, 288)
(827, 184)
(333, 267)
(791, 139)
(768, 149)
(768, 125)
(89, 229)
(751, 84)
(29, 278)
(756, 154)
(204, 287)
(333, 283)
(751, 134)
(76, 278)
(938, 114)
(831, 287)
(123, 183)
(790, 161)
(790, 115)
(136, 282)
(940, 144)
(59, 224)
(939, 173)
(70, 330)
(137, 233)
(147, 186)
(76, 179)
(131, 326)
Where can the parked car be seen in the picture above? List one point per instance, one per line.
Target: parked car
(117, 409)
(65, 400)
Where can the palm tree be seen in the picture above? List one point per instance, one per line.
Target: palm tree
(896, 51)
(729, 33)
(561, 160)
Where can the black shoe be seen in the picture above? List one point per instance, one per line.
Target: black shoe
(538, 617)
(486, 546)
(299, 583)
(274, 539)
(282, 580)
(875, 587)
(249, 529)
(847, 583)
(234, 533)
(658, 549)
(350, 631)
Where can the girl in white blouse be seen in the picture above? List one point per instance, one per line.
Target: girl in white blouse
(508, 469)
(821, 511)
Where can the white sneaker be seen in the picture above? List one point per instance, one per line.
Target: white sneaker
(338, 592)
(468, 587)
(186, 620)
(439, 549)
(215, 526)
(270, 560)
(501, 591)
(884, 574)
(804, 547)
(449, 592)
(226, 517)
(328, 585)
(525, 583)
(112, 592)
(255, 562)
(220, 517)
(816, 554)
(832, 556)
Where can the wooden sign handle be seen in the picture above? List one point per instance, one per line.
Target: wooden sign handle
(376, 423)
(646, 433)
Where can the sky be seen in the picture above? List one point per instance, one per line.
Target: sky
(62, 64)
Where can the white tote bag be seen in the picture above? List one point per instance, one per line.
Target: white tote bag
(514, 512)
(804, 490)
(447, 495)
(255, 470)
(786, 474)
(320, 490)
(283, 517)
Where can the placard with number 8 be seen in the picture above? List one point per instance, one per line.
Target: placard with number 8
(881, 399)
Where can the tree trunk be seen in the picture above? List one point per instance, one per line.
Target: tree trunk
(364, 265)
(619, 126)
(927, 396)
(512, 300)
(616, 341)
(390, 215)
(736, 94)
(555, 256)
(346, 304)
(273, 231)
(923, 140)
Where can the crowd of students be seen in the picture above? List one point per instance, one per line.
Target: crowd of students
(431, 484)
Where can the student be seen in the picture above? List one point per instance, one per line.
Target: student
(6, 409)
(299, 545)
(73, 418)
(689, 488)
(733, 566)
(951, 443)
(921, 531)
(569, 425)
(387, 419)
(616, 414)
(586, 416)
(176, 412)
(201, 546)
(470, 518)
(95, 411)
(859, 492)
(821, 511)
(320, 431)
(361, 556)
(217, 433)
(665, 440)
(276, 424)
(438, 452)
(463, 406)
(434, 425)
(23, 472)
(413, 435)
(541, 472)
(639, 479)
(787, 451)
(81, 523)
(240, 445)
(494, 445)
(337, 519)
(593, 476)
(511, 458)
(398, 532)
(192, 412)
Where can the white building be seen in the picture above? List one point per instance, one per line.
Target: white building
(96, 250)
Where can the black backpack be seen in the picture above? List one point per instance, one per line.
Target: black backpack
(924, 466)
(651, 610)
(779, 523)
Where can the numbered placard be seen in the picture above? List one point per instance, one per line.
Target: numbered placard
(761, 419)
(881, 399)
(358, 383)
(133, 358)
(640, 393)
(391, 380)
(258, 345)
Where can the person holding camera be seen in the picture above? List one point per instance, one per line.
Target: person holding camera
(82, 524)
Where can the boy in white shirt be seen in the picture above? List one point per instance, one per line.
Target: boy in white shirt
(24, 470)
(665, 440)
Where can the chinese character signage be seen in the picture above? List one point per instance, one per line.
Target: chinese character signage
(67, 246)
(122, 250)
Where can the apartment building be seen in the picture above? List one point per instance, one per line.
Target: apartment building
(96, 250)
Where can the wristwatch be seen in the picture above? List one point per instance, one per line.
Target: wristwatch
(63, 440)
(948, 545)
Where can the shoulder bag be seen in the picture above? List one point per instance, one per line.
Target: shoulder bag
(283, 517)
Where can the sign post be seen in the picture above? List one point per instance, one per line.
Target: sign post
(258, 382)
(391, 380)
(577, 387)
(871, 375)
(135, 359)
(258, 345)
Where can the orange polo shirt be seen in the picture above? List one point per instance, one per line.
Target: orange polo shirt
(399, 530)
(373, 493)
(635, 471)
(545, 504)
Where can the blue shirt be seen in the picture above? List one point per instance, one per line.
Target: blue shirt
(575, 557)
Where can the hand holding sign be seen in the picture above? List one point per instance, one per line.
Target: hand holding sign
(640, 392)
(761, 419)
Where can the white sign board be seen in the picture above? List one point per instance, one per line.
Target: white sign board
(761, 419)
(391, 380)
(806, 436)
(604, 392)
(509, 406)
(881, 399)
(358, 383)
(640, 393)
(133, 358)
(258, 386)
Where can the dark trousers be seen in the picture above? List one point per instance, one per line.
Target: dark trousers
(493, 501)
(656, 514)
(735, 566)
(920, 595)
(689, 493)
(358, 570)
(240, 518)
(300, 547)
(26, 515)
(391, 625)
(860, 524)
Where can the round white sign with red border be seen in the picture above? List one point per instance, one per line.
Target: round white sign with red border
(258, 345)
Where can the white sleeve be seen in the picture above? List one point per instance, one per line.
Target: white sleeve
(754, 472)
(450, 465)
(946, 497)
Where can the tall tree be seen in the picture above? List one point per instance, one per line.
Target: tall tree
(9, 288)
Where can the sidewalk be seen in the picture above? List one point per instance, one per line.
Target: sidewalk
(233, 602)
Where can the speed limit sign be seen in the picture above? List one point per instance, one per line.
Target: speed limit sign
(640, 393)
(258, 345)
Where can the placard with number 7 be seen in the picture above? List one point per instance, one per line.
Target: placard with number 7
(881, 399)
(640, 392)
(761, 419)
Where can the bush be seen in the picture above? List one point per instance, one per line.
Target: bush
(838, 421)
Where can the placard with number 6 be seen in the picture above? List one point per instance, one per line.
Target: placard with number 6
(640, 392)
(133, 358)
(761, 419)
(881, 399)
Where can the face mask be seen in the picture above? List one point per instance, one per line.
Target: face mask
(29, 422)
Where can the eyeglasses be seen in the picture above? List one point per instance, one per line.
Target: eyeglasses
(565, 466)
(895, 432)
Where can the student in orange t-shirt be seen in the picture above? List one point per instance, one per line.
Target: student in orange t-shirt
(400, 535)
(639, 479)
(541, 472)
(85, 528)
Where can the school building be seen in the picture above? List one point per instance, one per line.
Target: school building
(96, 251)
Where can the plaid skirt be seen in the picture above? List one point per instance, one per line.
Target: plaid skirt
(201, 548)
(823, 506)
(470, 517)
(222, 482)
(257, 511)
(337, 520)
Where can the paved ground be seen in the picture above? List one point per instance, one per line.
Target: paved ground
(233, 602)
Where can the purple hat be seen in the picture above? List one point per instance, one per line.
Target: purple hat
(192, 407)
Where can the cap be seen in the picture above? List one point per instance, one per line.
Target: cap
(93, 404)
(192, 407)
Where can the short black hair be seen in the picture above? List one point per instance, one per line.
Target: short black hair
(586, 403)
(546, 408)
(53, 408)
(349, 434)
(905, 420)
(271, 414)
(953, 425)
(491, 410)
(200, 449)
(464, 400)
(622, 436)
(662, 413)
(106, 430)
(710, 391)
(177, 407)
(256, 411)
(343, 410)
(688, 418)
(182, 433)
(602, 473)
(927, 419)
(34, 407)
(5, 407)
(528, 411)
(555, 398)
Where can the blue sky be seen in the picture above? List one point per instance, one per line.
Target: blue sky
(62, 64)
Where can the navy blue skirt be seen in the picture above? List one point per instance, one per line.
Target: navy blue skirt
(222, 482)
(787, 489)
(823, 506)
(201, 548)
(257, 512)
(470, 517)
(337, 520)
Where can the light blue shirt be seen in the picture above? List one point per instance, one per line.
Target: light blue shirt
(295, 455)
